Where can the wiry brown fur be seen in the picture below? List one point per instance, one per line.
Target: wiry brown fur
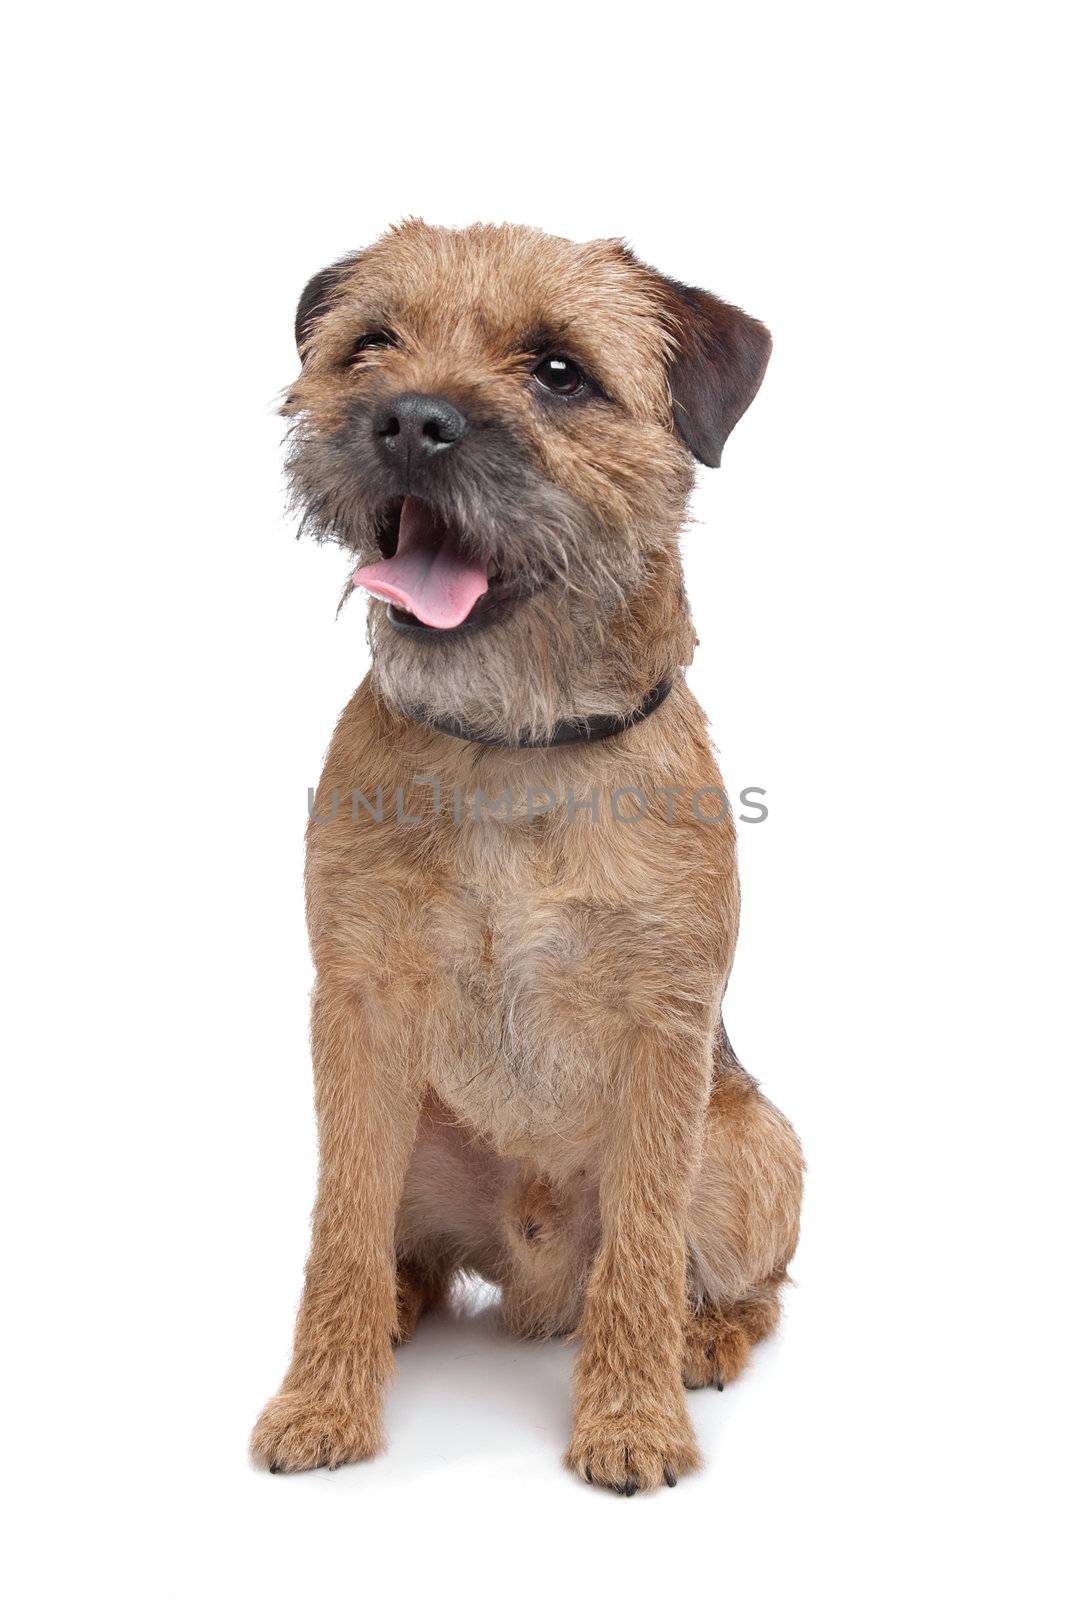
(519, 1059)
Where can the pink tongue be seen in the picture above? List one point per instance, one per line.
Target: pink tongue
(427, 576)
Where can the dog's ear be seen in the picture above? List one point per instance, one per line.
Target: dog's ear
(318, 298)
(720, 358)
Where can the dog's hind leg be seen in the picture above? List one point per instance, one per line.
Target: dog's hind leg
(743, 1226)
(719, 1339)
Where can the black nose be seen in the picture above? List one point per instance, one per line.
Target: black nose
(413, 427)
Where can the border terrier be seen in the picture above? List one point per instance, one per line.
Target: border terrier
(520, 1066)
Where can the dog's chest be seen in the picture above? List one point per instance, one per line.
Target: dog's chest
(524, 974)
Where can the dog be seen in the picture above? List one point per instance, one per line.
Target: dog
(521, 905)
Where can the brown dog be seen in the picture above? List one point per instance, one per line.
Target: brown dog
(522, 905)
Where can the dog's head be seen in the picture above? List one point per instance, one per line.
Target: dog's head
(501, 426)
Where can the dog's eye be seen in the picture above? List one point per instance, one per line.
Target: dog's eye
(379, 338)
(560, 376)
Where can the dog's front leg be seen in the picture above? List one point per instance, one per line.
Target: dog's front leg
(631, 1423)
(329, 1407)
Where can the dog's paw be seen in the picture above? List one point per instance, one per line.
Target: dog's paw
(716, 1352)
(632, 1451)
(299, 1430)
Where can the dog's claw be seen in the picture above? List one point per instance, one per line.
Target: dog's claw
(720, 1387)
(629, 1487)
(274, 1467)
(669, 1479)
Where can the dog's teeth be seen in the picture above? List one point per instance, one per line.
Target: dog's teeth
(491, 569)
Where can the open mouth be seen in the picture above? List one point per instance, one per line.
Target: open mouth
(429, 579)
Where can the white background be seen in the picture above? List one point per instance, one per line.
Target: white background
(876, 576)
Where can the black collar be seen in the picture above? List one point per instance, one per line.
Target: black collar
(573, 731)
